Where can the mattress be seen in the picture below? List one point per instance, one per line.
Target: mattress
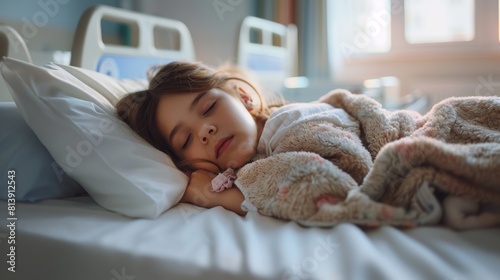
(77, 239)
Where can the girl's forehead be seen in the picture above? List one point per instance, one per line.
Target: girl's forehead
(171, 104)
(170, 109)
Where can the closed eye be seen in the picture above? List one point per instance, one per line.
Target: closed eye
(209, 109)
(186, 143)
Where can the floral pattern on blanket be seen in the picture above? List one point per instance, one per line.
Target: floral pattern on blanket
(387, 173)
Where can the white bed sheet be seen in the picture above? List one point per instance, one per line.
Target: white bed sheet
(77, 239)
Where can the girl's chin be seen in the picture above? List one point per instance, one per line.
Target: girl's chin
(241, 156)
(235, 164)
(207, 166)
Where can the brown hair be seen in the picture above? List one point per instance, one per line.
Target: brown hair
(138, 109)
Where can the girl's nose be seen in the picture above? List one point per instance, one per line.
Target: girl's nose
(206, 132)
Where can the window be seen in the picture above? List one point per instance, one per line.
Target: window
(440, 47)
(400, 26)
(366, 25)
(430, 21)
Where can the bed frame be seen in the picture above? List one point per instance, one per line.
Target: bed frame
(269, 50)
(89, 50)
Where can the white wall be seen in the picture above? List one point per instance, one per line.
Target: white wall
(46, 25)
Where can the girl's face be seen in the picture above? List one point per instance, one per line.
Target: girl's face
(214, 126)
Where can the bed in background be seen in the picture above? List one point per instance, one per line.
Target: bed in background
(122, 229)
(269, 50)
(141, 52)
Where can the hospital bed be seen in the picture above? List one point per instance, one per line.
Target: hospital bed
(134, 60)
(269, 50)
(113, 231)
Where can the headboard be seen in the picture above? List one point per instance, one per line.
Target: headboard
(11, 45)
(269, 50)
(127, 61)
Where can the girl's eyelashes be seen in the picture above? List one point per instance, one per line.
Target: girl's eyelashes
(186, 142)
(210, 108)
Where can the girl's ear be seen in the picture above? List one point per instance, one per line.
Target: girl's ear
(246, 99)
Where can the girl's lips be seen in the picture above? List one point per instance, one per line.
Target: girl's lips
(222, 145)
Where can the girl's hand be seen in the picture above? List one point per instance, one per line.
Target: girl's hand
(199, 192)
(199, 188)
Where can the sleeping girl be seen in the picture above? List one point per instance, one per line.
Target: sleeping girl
(216, 122)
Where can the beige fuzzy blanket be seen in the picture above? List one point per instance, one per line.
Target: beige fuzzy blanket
(401, 168)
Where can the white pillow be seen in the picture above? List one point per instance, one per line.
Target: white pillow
(110, 88)
(80, 129)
